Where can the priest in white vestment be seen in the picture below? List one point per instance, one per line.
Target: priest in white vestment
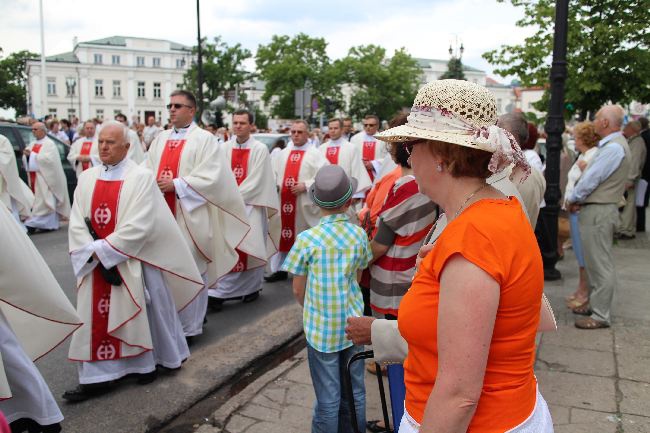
(14, 193)
(83, 153)
(136, 150)
(251, 165)
(202, 194)
(130, 320)
(35, 317)
(47, 181)
(294, 170)
(340, 152)
(371, 151)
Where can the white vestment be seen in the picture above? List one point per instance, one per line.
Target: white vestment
(381, 150)
(14, 193)
(156, 266)
(307, 213)
(75, 152)
(35, 317)
(51, 200)
(136, 151)
(209, 210)
(350, 161)
(262, 204)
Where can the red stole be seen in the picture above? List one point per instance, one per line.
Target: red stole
(369, 155)
(332, 154)
(32, 174)
(103, 214)
(168, 168)
(239, 166)
(288, 200)
(85, 150)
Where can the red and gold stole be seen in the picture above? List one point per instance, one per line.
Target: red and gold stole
(103, 215)
(32, 174)
(288, 200)
(85, 150)
(369, 155)
(332, 154)
(239, 166)
(168, 168)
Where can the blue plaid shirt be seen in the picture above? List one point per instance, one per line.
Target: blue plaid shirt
(330, 255)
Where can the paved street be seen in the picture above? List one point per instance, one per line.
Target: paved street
(594, 381)
(232, 339)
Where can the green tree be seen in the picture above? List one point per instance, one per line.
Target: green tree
(288, 64)
(222, 68)
(13, 80)
(454, 70)
(380, 85)
(608, 51)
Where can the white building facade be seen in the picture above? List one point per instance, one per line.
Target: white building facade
(102, 78)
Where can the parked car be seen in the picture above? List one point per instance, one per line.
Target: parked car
(271, 139)
(20, 136)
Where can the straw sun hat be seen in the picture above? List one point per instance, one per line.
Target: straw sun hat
(462, 113)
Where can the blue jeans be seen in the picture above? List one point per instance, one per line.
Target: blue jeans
(332, 408)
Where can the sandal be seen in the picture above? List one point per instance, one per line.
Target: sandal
(589, 323)
(375, 427)
(583, 309)
(575, 303)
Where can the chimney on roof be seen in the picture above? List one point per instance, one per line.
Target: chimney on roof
(75, 41)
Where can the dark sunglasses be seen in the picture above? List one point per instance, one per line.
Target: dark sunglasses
(298, 132)
(408, 145)
(178, 106)
(368, 125)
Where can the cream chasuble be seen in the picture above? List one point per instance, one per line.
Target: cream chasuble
(342, 153)
(14, 193)
(136, 151)
(144, 234)
(370, 149)
(84, 146)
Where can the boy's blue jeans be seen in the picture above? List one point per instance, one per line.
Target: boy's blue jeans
(331, 410)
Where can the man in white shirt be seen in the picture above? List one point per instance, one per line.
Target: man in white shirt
(150, 132)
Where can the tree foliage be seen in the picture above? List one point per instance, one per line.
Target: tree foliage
(13, 80)
(222, 68)
(380, 85)
(608, 51)
(288, 64)
(454, 70)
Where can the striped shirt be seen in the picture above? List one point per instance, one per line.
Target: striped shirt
(330, 255)
(402, 224)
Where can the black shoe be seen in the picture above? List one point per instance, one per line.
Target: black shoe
(215, 304)
(31, 230)
(51, 428)
(625, 237)
(189, 339)
(552, 274)
(84, 392)
(276, 276)
(145, 378)
(251, 297)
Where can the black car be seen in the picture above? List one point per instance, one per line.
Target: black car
(20, 136)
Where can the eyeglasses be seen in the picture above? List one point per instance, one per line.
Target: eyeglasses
(368, 125)
(408, 145)
(298, 132)
(178, 106)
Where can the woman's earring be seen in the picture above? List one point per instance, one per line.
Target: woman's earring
(439, 168)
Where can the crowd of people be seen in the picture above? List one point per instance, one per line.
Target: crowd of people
(424, 236)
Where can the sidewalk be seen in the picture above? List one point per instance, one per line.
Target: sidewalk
(594, 381)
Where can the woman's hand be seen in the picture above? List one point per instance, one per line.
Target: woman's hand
(424, 250)
(359, 329)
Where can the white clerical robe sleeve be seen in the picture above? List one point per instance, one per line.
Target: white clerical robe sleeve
(80, 264)
(189, 198)
(108, 255)
(376, 165)
(33, 162)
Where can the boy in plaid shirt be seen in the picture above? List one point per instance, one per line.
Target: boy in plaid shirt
(326, 261)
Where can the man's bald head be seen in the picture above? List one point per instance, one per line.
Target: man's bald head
(39, 130)
(113, 142)
(609, 119)
(632, 129)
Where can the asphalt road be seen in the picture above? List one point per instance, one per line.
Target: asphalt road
(230, 339)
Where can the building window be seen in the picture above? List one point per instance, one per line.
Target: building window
(98, 59)
(140, 89)
(156, 62)
(156, 90)
(51, 86)
(117, 89)
(115, 113)
(72, 113)
(499, 105)
(180, 63)
(70, 86)
(99, 113)
(99, 88)
(179, 85)
(139, 61)
(52, 112)
(116, 59)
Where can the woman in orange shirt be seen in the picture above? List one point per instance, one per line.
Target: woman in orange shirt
(472, 312)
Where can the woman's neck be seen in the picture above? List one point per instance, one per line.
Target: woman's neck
(407, 171)
(460, 193)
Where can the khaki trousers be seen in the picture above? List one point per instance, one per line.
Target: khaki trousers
(628, 216)
(597, 225)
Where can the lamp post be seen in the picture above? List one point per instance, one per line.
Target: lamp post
(71, 84)
(199, 60)
(554, 128)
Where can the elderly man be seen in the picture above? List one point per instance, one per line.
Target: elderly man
(47, 180)
(83, 152)
(136, 151)
(340, 152)
(251, 164)
(133, 269)
(14, 193)
(370, 150)
(201, 193)
(295, 169)
(632, 132)
(596, 196)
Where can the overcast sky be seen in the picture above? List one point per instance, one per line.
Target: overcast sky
(424, 28)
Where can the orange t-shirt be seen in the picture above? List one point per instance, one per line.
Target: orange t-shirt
(496, 236)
